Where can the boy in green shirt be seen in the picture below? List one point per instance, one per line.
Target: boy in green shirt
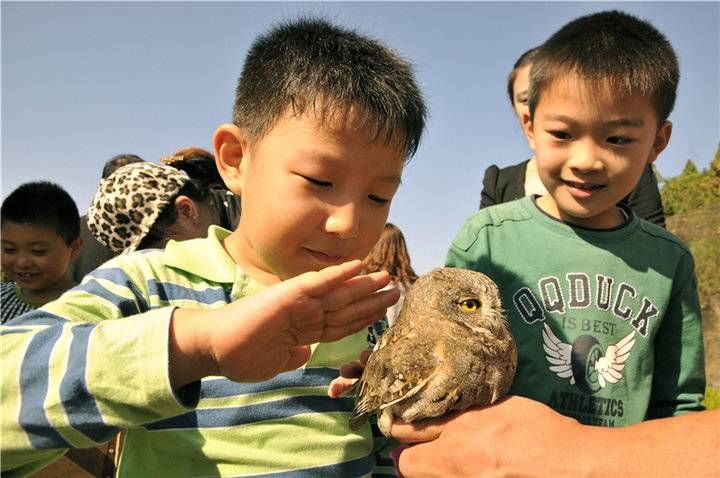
(195, 349)
(603, 305)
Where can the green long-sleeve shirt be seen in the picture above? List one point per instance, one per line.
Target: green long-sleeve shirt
(607, 322)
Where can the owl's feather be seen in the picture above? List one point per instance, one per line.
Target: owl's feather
(440, 355)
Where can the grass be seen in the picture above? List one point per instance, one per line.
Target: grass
(712, 398)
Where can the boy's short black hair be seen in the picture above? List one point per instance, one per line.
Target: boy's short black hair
(627, 53)
(43, 203)
(310, 63)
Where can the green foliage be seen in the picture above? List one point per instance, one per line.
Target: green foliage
(715, 163)
(706, 252)
(690, 168)
(691, 190)
(712, 398)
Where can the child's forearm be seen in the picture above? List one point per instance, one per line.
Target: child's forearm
(190, 350)
(74, 385)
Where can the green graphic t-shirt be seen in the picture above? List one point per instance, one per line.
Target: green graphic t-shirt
(607, 322)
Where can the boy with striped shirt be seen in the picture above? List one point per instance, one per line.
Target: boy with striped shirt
(194, 350)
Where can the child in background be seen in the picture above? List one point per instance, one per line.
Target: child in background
(603, 305)
(391, 254)
(195, 349)
(40, 237)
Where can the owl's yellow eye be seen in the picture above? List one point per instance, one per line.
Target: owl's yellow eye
(470, 305)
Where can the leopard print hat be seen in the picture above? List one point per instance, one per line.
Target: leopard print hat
(129, 201)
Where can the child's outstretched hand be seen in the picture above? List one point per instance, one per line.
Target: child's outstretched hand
(270, 332)
(349, 374)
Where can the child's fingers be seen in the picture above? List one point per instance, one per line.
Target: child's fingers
(372, 304)
(316, 284)
(351, 370)
(354, 289)
(333, 332)
(364, 356)
(339, 386)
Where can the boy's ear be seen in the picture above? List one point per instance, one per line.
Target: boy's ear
(662, 138)
(527, 129)
(230, 144)
(75, 247)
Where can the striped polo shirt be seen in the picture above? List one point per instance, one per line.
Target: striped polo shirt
(95, 361)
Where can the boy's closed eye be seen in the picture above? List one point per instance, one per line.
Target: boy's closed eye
(326, 184)
(378, 199)
(316, 182)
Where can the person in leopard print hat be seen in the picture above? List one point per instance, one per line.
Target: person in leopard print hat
(144, 205)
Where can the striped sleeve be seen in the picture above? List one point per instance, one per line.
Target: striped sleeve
(73, 378)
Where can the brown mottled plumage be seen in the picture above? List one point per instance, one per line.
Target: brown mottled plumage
(449, 349)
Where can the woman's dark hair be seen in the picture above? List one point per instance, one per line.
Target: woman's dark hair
(193, 189)
(198, 163)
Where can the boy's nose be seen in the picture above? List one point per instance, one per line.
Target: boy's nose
(344, 221)
(586, 156)
(23, 261)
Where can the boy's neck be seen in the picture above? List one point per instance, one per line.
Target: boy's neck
(549, 207)
(50, 293)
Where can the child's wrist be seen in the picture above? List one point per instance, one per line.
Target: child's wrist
(190, 353)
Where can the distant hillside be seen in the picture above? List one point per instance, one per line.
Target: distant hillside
(700, 229)
(692, 206)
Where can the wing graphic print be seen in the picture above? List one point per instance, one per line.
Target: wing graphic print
(610, 367)
(558, 354)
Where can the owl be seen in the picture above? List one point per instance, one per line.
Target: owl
(450, 349)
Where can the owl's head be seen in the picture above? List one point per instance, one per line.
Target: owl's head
(466, 296)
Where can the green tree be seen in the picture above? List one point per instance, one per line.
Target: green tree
(715, 163)
(692, 189)
(690, 169)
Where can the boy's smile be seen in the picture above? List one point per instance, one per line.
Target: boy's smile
(591, 146)
(313, 195)
(36, 258)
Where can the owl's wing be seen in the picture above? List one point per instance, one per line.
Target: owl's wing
(558, 354)
(392, 374)
(610, 366)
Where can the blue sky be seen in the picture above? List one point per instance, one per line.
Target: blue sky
(83, 81)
